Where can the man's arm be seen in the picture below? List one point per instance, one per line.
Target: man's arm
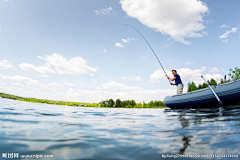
(171, 79)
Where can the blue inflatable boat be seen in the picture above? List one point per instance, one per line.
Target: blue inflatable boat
(228, 93)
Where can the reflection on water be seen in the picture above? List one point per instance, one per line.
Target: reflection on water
(102, 133)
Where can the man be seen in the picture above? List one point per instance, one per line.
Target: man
(178, 81)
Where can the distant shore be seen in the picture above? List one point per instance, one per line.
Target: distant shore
(65, 103)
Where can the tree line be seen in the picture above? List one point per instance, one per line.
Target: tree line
(107, 103)
(131, 104)
(34, 100)
(234, 74)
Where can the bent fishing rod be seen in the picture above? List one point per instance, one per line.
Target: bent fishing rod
(150, 47)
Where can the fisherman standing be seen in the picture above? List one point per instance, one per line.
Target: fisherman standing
(178, 81)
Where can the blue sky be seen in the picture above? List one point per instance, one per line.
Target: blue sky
(80, 50)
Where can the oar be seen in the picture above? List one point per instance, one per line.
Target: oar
(209, 86)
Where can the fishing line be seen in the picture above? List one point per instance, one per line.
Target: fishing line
(149, 46)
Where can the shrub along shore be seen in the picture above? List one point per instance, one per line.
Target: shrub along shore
(107, 103)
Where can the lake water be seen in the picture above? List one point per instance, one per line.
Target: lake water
(110, 133)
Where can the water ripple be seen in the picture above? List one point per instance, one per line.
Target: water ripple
(112, 133)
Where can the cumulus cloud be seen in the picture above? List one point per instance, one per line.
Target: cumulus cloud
(225, 40)
(214, 70)
(56, 63)
(16, 84)
(138, 95)
(70, 84)
(180, 19)
(217, 77)
(129, 40)
(119, 45)
(226, 34)
(5, 64)
(22, 79)
(125, 42)
(186, 75)
(117, 86)
(133, 78)
(224, 26)
(38, 70)
(55, 85)
(100, 50)
(190, 62)
(104, 11)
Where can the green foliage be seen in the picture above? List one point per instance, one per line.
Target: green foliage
(213, 82)
(192, 86)
(111, 102)
(34, 100)
(132, 104)
(234, 73)
(118, 102)
(107, 103)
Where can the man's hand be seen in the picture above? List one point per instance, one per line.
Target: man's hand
(167, 77)
(171, 83)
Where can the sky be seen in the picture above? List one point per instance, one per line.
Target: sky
(81, 50)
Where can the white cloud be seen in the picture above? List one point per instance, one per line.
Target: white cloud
(214, 70)
(73, 66)
(16, 84)
(226, 34)
(126, 42)
(119, 45)
(170, 58)
(90, 74)
(190, 62)
(158, 75)
(22, 79)
(38, 70)
(5, 64)
(70, 84)
(117, 86)
(217, 77)
(180, 19)
(100, 50)
(55, 84)
(144, 57)
(224, 26)
(104, 11)
(167, 45)
(139, 95)
(226, 40)
(186, 75)
(223, 70)
(133, 78)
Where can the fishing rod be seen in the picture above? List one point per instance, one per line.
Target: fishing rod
(150, 47)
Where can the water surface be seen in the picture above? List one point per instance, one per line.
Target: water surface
(112, 133)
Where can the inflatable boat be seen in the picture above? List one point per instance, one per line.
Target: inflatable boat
(228, 93)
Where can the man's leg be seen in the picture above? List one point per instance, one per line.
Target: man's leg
(179, 88)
